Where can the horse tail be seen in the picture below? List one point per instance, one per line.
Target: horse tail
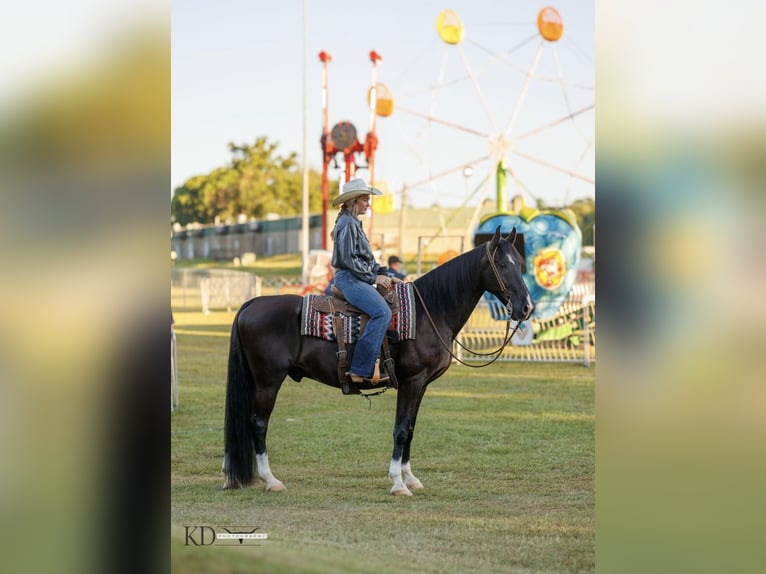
(240, 396)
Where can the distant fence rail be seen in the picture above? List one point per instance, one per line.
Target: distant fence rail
(570, 336)
(209, 290)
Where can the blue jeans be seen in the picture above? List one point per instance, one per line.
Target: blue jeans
(366, 297)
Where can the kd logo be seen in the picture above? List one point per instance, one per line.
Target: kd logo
(196, 535)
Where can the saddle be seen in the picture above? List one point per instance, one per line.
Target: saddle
(337, 306)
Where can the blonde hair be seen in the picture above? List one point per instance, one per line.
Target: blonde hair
(354, 208)
(349, 206)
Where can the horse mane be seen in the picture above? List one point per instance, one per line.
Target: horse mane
(445, 285)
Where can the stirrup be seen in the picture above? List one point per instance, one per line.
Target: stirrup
(359, 379)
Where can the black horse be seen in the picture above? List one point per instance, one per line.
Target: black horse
(266, 346)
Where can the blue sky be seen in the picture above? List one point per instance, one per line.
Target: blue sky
(238, 74)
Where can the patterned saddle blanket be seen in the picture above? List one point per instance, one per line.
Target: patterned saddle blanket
(317, 321)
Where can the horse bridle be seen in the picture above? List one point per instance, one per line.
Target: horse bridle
(507, 338)
(496, 271)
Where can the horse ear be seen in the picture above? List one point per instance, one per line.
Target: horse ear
(512, 236)
(496, 237)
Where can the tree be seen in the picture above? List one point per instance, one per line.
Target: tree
(256, 181)
(186, 205)
(585, 210)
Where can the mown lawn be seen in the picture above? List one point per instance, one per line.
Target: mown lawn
(506, 454)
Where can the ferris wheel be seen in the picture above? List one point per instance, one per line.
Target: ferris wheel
(503, 117)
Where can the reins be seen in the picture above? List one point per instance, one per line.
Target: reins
(500, 282)
(507, 338)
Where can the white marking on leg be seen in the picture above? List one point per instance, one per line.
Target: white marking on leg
(225, 470)
(264, 472)
(395, 474)
(410, 480)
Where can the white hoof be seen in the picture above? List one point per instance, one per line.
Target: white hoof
(413, 484)
(275, 486)
(401, 491)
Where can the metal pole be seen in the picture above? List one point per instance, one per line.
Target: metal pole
(305, 206)
(325, 58)
(402, 217)
(420, 240)
(374, 58)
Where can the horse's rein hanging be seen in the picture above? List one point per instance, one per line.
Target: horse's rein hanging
(507, 338)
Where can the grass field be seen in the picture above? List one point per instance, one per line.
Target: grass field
(506, 454)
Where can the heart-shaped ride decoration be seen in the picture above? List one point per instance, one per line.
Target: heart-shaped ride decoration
(549, 240)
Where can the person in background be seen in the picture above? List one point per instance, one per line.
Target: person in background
(356, 275)
(395, 268)
(330, 282)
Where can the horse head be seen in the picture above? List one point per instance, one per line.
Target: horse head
(502, 276)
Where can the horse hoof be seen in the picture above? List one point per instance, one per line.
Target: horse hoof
(403, 491)
(230, 485)
(414, 484)
(276, 487)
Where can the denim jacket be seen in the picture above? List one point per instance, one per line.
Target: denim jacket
(351, 249)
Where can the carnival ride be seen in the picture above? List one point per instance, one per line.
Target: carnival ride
(545, 137)
(342, 139)
(553, 137)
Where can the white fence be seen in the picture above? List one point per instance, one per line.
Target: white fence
(570, 336)
(209, 290)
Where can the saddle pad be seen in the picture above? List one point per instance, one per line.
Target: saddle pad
(404, 321)
(315, 323)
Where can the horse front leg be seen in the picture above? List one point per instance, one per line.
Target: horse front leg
(410, 480)
(399, 470)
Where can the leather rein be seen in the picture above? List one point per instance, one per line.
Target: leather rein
(507, 337)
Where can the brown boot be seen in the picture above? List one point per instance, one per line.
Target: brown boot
(358, 379)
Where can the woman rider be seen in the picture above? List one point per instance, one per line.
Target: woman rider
(356, 274)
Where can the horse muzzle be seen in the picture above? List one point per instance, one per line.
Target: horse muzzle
(526, 311)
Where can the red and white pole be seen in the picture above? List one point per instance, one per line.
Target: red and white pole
(372, 139)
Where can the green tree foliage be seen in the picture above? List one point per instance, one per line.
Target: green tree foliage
(256, 181)
(585, 210)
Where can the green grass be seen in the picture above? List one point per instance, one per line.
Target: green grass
(506, 454)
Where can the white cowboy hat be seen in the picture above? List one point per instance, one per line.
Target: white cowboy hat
(353, 189)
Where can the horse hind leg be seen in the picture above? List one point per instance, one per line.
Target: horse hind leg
(257, 424)
(272, 484)
(264, 404)
(229, 483)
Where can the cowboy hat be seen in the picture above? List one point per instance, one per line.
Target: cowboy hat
(353, 189)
